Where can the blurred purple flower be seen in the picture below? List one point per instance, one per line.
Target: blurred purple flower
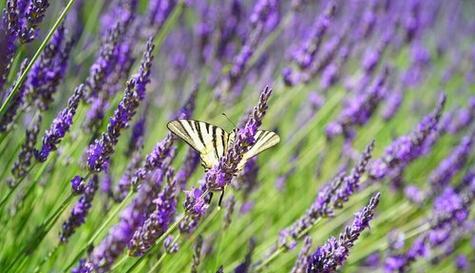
(332, 195)
(301, 264)
(159, 219)
(103, 147)
(60, 126)
(441, 176)
(406, 148)
(334, 252)
(80, 210)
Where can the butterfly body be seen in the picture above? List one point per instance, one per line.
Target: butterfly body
(212, 142)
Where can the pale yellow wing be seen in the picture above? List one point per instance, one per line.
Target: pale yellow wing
(264, 141)
(208, 140)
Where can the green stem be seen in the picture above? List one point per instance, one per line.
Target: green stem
(37, 54)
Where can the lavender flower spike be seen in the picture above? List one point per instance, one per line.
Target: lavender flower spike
(221, 175)
(442, 175)
(407, 148)
(34, 15)
(101, 150)
(334, 252)
(331, 196)
(301, 264)
(80, 210)
(22, 164)
(18, 100)
(159, 220)
(60, 126)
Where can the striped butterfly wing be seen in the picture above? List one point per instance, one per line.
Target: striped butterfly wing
(264, 141)
(210, 141)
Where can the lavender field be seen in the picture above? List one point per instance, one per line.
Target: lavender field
(106, 165)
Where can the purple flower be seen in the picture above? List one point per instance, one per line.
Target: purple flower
(407, 148)
(358, 109)
(334, 252)
(459, 119)
(47, 72)
(80, 210)
(35, 13)
(170, 245)
(301, 265)
(455, 161)
(305, 55)
(155, 159)
(77, 184)
(103, 147)
(197, 254)
(221, 174)
(136, 138)
(332, 195)
(132, 217)
(104, 63)
(159, 219)
(17, 102)
(60, 126)
(22, 165)
(462, 262)
(414, 194)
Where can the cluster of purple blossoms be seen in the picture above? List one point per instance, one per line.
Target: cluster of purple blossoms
(406, 148)
(330, 197)
(48, 71)
(264, 17)
(60, 126)
(6, 121)
(450, 211)
(27, 151)
(159, 219)
(80, 210)
(131, 219)
(455, 161)
(103, 147)
(358, 109)
(455, 121)
(334, 252)
(19, 24)
(220, 175)
(305, 55)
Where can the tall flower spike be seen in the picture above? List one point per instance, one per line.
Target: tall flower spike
(301, 264)
(22, 164)
(132, 217)
(244, 266)
(334, 252)
(103, 147)
(332, 195)
(159, 220)
(197, 254)
(406, 148)
(34, 15)
(221, 175)
(60, 125)
(18, 100)
(104, 62)
(47, 72)
(306, 54)
(80, 210)
(441, 176)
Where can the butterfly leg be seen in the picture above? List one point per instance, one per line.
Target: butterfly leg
(221, 198)
(210, 197)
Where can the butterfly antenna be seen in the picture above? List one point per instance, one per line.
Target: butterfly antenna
(234, 124)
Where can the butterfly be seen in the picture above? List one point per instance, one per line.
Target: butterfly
(212, 142)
